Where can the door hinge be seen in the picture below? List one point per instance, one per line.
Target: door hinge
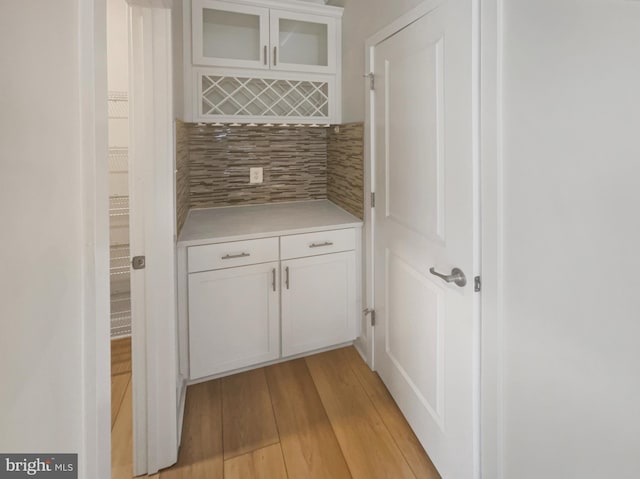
(372, 81)
(138, 262)
(477, 284)
(373, 199)
(371, 312)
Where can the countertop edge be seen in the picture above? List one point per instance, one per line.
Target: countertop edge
(267, 234)
(344, 223)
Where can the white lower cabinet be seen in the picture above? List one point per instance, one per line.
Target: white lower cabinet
(234, 318)
(301, 297)
(318, 302)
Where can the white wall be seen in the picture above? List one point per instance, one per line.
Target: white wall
(362, 18)
(571, 239)
(48, 258)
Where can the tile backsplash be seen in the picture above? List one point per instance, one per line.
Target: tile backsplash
(294, 162)
(212, 166)
(345, 167)
(183, 202)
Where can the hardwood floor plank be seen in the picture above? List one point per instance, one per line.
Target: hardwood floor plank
(265, 463)
(367, 444)
(120, 356)
(200, 455)
(119, 385)
(396, 423)
(309, 445)
(122, 439)
(248, 422)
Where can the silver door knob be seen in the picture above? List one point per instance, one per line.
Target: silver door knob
(456, 276)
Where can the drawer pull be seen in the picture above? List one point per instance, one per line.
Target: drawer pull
(321, 245)
(236, 256)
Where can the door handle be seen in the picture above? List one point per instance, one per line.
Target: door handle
(265, 54)
(286, 277)
(456, 276)
(275, 56)
(273, 279)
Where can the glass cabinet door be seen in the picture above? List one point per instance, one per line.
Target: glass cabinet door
(302, 42)
(226, 34)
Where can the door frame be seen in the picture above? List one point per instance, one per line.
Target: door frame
(95, 454)
(478, 24)
(492, 202)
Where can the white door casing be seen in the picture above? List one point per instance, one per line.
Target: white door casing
(424, 155)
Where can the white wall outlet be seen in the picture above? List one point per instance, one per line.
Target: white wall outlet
(255, 176)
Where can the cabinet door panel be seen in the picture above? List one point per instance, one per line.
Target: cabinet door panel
(319, 306)
(227, 34)
(233, 318)
(301, 42)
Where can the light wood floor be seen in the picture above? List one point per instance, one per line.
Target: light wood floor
(121, 410)
(325, 416)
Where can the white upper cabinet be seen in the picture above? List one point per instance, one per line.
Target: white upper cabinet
(228, 34)
(302, 42)
(262, 61)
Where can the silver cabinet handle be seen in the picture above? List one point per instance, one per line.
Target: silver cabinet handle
(320, 245)
(236, 256)
(265, 53)
(286, 277)
(275, 56)
(273, 279)
(456, 276)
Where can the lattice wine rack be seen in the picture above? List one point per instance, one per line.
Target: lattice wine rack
(230, 97)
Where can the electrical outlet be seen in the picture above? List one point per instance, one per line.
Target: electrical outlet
(255, 176)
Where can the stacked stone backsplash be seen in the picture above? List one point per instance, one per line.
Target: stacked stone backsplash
(299, 163)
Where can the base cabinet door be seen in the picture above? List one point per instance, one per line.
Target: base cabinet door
(319, 306)
(233, 318)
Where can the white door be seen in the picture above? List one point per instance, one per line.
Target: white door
(424, 218)
(152, 230)
(318, 302)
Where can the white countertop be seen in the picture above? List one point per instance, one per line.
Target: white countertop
(234, 223)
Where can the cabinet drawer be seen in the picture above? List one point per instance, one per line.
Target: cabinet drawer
(229, 255)
(313, 244)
